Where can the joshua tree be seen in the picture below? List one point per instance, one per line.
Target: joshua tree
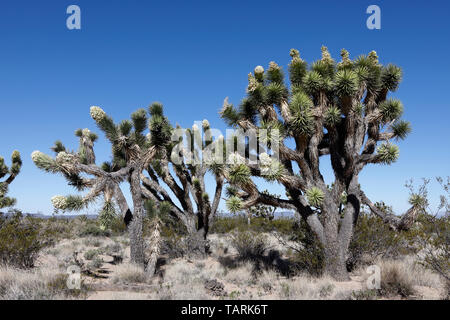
(16, 164)
(340, 110)
(190, 162)
(133, 153)
(156, 217)
(74, 166)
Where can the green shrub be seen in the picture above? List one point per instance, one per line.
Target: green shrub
(21, 240)
(57, 228)
(226, 224)
(117, 225)
(368, 294)
(95, 264)
(307, 255)
(251, 246)
(373, 239)
(113, 248)
(433, 240)
(91, 254)
(95, 231)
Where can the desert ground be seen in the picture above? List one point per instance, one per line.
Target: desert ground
(107, 274)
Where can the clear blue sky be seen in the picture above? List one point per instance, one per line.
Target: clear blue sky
(190, 55)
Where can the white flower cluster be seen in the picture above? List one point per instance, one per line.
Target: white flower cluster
(59, 202)
(273, 65)
(36, 155)
(271, 168)
(64, 157)
(252, 83)
(97, 113)
(373, 56)
(259, 70)
(294, 53)
(86, 132)
(326, 57)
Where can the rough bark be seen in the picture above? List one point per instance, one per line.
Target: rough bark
(135, 227)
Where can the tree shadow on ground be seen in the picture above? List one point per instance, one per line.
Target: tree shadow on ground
(271, 261)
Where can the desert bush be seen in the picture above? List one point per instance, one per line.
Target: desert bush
(91, 254)
(94, 230)
(177, 246)
(37, 285)
(373, 239)
(57, 228)
(395, 280)
(96, 263)
(129, 273)
(227, 224)
(21, 240)
(92, 242)
(113, 248)
(304, 251)
(367, 294)
(433, 240)
(117, 226)
(250, 246)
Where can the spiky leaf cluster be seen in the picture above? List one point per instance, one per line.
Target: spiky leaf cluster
(239, 174)
(315, 197)
(332, 116)
(234, 204)
(107, 215)
(388, 153)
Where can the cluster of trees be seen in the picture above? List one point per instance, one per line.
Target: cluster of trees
(339, 112)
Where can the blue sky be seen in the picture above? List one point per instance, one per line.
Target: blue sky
(190, 55)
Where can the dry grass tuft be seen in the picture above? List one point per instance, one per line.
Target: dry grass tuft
(35, 284)
(396, 279)
(129, 273)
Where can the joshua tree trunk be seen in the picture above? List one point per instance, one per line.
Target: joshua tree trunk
(135, 228)
(335, 260)
(335, 246)
(154, 247)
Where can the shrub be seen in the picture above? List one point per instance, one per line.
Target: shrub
(307, 253)
(368, 294)
(37, 284)
(129, 273)
(113, 248)
(250, 246)
(395, 280)
(177, 246)
(56, 228)
(21, 239)
(433, 240)
(96, 263)
(91, 254)
(117, 225)
(58, 284)
(95, 231)
(373, 239)
(227, 224)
